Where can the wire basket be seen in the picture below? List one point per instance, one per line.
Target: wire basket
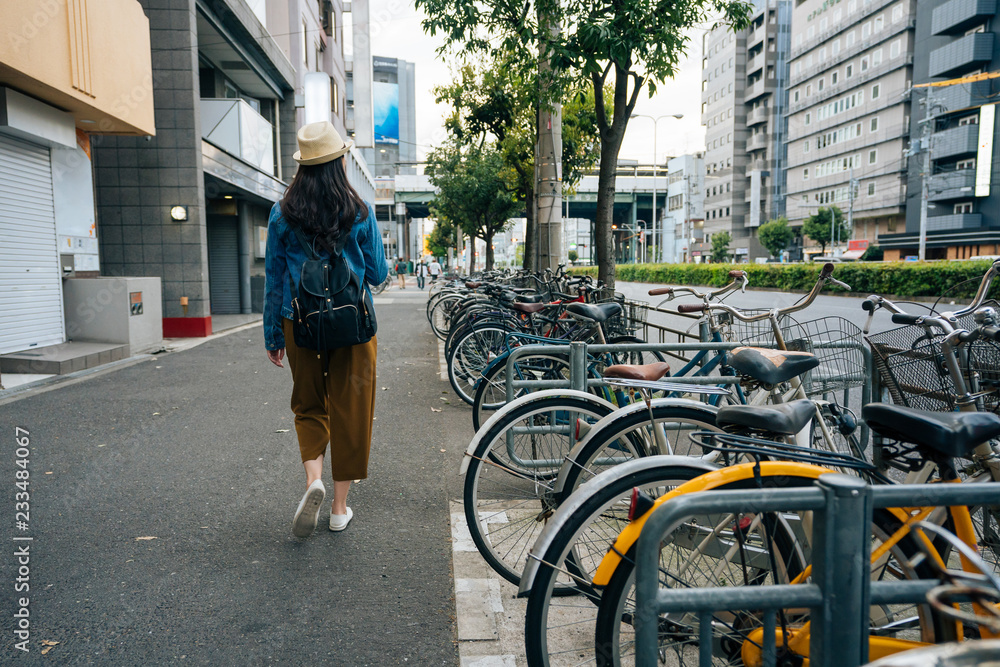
(911, 366)
(836, 342)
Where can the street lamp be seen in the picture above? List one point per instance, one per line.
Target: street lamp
(656, 122)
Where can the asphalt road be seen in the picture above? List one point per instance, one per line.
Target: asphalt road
(161, 499)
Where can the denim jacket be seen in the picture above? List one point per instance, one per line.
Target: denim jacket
(284, 259)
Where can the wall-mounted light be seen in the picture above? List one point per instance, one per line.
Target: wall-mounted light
(178, 213)
(227, 196)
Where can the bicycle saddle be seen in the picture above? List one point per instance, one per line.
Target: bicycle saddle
(597, 313)
(529, 298)
(650, 372)
(771, 366)
(473, 284)
(783, 418)
(953, 434)
(529, 307)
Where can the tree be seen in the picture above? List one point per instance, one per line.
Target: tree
(473, 192)
(775, 235)
(441, 238)
(818, 227)
(628, 44)
(573, 256)
(720, 246)
(493, 99)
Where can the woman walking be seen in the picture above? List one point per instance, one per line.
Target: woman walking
(333, 392)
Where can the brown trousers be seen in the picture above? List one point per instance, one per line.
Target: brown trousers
(341, 404)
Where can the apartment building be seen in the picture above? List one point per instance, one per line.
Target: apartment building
(954, 39)
(65, 89)
(849, 113)
(684, 219)
(724, 116)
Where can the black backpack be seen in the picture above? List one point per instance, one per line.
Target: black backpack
(332, 308)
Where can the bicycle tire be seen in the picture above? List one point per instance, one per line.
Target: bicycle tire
(579, 540)
(491, 389)
(470, 356)
(510, 495)
(614, 440)
(612, 646)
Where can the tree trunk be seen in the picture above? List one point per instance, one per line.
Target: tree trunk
(548, 154)
(489, 252)
(472, 254)
(530, 231)
(603, 239)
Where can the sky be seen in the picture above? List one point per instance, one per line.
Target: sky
(396, 33)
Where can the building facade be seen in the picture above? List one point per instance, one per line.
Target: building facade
(64, 91)
(848, 113)
(191, 205)
(684, 219)
(954, 133)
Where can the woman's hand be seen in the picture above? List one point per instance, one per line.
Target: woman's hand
(275, 357)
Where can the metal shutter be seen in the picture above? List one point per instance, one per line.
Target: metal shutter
(223, 266)
(31, 309)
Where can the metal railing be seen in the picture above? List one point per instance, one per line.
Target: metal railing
(841, 592)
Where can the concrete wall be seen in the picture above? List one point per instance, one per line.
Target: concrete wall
(99, 309)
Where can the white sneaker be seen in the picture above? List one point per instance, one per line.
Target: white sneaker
(338, 522)
(307, 515)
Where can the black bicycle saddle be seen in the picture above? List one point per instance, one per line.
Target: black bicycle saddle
(782, 418)
(771, 366)
(953, 434)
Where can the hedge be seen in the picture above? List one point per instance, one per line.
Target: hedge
(901, 279)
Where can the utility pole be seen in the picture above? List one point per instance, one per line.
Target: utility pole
(850, 205)
(548, 151)
(925, 146)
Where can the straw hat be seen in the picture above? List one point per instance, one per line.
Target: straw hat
(320, 142)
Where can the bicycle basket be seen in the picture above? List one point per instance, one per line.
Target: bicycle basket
(911, 366)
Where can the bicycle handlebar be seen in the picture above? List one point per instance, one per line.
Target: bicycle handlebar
(691, 308)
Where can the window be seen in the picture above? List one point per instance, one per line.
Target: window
(897, 12)
(850, 39)
(966, 164)
(824, 24)
(809, 89)
(963, 207)
(834, 77)
(849, 71)
(795, 96)
(871, 188)
(877, 58)
(305, 44)
(836, 46)
(805, 146)
(807, 118)
(879, 23)
(798, 40)
(805, 174)
(968, 120)
(852, 6)
(978, 28)
(866, 30)
(820, 84)
(864, 64)
(822, 54)
(873, 156)
(895, 48)
(334, 97)
(875, 91)
(874, 125)
(811, 32)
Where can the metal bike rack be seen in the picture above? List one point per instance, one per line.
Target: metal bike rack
(841, 593)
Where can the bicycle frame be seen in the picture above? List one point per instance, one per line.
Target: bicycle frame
(798, 640)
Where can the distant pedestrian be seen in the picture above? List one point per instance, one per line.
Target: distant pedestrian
(333, 391)
(421, 274)
(434, 269)
(401, 272)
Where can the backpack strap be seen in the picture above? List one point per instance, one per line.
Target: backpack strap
(304, 242)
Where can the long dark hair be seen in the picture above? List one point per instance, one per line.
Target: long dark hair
(321, 202)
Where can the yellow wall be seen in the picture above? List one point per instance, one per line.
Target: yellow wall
(88, 57)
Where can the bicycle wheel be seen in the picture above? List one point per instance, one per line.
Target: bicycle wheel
(470, 356)
(555, 632)
(508, 491)
(629, 434)
(491, 389)
(749, 550)
(440, 314)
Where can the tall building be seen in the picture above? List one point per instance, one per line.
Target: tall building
(848, 114)
(684, 220)
(743, 105)
(66, 90)
(724, 117)
(954, 39)
(191, 205)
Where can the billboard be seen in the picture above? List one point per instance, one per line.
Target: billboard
(385, 112)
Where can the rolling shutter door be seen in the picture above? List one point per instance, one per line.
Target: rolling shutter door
(223, 266)
(31, 309)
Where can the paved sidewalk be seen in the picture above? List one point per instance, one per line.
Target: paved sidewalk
(161, 497)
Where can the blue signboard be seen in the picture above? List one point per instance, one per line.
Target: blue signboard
(385, 110)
